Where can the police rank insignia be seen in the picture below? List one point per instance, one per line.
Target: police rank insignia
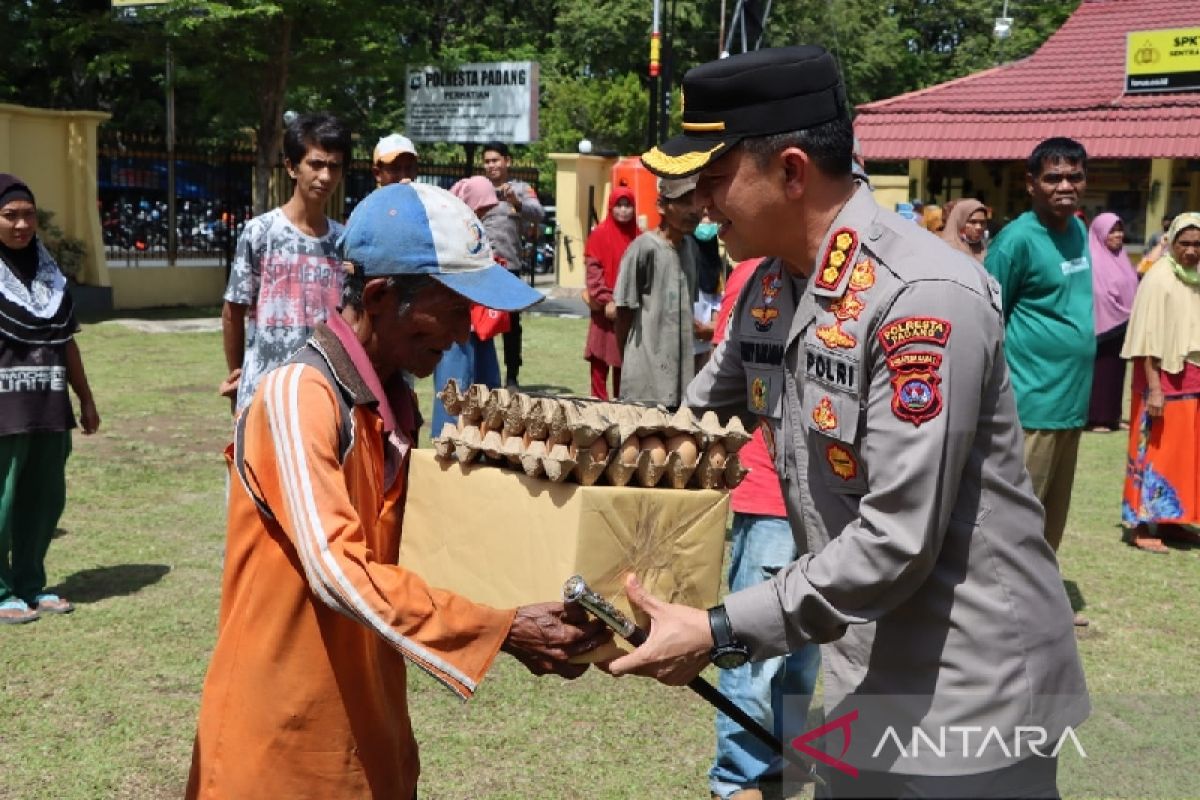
(916, 397)
(837, 259)
(927, 330)
(842, 462)
(764, 317)
(824, 416)
(758, 395)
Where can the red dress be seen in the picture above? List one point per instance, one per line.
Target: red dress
(602, 255)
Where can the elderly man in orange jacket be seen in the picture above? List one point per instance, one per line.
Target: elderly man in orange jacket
(305, 696)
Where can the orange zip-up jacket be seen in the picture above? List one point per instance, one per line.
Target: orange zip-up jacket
(305, 695)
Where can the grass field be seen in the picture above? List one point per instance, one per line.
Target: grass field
(102, 704)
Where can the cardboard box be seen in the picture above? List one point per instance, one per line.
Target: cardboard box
(504, 539)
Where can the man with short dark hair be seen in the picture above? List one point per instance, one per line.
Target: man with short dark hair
(518, 206)
(872, 357)
(394, 160)
(306, 692)
(286, 276)
(1042, 262)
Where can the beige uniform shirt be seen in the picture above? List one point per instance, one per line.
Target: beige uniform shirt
(883, 385)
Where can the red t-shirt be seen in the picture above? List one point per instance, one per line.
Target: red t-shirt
(759, 493)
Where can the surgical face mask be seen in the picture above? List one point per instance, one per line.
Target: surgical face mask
(706, 231)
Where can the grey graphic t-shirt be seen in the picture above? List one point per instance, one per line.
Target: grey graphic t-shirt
(290, 281)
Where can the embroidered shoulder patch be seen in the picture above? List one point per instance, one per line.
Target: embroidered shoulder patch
(916, 396)
(764, 317)
(848, 306)
(842, 462)
(899, 332)
(759, 389)
(863, 276)
(824, 416)
(834, 336)
(837, 259)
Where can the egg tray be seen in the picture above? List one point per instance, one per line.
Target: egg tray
(588, 441)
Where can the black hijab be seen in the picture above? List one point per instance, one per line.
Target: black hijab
(40, 311)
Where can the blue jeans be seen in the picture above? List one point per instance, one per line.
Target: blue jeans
(473, 362)
(761, 546)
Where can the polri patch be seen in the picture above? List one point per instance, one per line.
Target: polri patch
(842, 462)
(837, 259)
(899, 332)
(824, 416)
(831, 369)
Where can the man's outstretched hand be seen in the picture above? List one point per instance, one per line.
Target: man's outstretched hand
(544, 635)
(678, 647)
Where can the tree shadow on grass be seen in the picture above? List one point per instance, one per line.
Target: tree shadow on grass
(99, 583)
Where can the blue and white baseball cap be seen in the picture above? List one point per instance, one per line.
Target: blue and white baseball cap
(419, 229)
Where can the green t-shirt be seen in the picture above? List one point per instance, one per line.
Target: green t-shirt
(1050, 344)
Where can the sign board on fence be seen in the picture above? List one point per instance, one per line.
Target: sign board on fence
(1163, 61)
(473, 103)
(135, 3)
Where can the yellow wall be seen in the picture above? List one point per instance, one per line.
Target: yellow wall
(55, 153)
(889, 190)
(575, 175)
(150, 287)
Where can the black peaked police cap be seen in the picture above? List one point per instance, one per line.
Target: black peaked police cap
(776, 90)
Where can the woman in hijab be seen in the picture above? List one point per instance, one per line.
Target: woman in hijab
(602, 255)
(1114, 283)
(37, 330)
(1162, 477)
(966, 228)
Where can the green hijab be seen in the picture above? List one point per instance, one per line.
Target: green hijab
(1186, 220)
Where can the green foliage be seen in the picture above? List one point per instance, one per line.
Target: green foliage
(241, 63)
(67, 251)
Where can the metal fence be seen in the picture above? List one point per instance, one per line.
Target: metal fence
(214, 196)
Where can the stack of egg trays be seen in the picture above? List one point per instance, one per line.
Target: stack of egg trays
(590, 442)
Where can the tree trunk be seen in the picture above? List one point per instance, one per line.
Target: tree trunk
(270, 116)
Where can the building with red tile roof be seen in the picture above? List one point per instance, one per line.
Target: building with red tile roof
(970, 136)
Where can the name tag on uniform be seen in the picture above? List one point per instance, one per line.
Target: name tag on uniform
(1074, 265)
(830, 369)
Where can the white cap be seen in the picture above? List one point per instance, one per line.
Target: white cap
(391, 146)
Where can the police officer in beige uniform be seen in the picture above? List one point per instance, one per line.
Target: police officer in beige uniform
(874, 359)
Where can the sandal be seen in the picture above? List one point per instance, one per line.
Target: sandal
(48, 603)
(15, 611)
(1149, 544)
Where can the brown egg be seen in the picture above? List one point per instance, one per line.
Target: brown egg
(685, 445)
(716, 455)
(629, 450)
(599, 449)
(657, 450)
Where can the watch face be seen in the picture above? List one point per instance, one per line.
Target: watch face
(729, 658)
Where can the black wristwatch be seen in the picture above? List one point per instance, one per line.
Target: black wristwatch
(727, 652)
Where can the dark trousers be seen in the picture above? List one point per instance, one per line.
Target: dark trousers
(1108, 381)
(1031, 778)
(33, 492)
(512, 347)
